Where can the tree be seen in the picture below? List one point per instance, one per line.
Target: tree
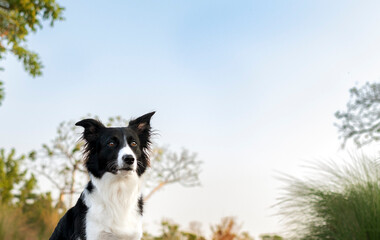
(16, 187)
(361, 120)
(24, 214)
(169, 167)
(61, 163)
(18, 19)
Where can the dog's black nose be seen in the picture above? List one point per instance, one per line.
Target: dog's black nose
(128, 159)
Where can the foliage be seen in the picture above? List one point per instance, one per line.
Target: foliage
(171, 231)
(15, 185)
(344, 203)
(361, 120)
(61, 163)
(228, 229)
(31, 221)
(2, 93)
(270, 237)
(24, 214)
(41, 215)
(18, 18)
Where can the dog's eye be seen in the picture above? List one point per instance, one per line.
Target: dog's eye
(111, 144)
(133, 144)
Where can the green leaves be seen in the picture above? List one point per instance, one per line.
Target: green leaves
(15, 185)
(2, 93)
(31, 61)
(17, 19)
(360, 121)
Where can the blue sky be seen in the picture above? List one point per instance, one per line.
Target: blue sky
(251, 86)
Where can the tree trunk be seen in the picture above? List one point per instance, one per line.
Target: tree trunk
(72, 184)
(159, 186)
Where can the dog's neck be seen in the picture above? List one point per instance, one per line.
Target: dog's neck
(113, 206)
(117, 191)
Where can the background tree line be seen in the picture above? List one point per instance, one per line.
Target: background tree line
(344, 203)
(28, 213)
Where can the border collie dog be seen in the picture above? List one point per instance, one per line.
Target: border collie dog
(111, 205)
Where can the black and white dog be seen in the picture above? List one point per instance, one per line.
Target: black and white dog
(111, 206)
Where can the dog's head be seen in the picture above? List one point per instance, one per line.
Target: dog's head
(117, 150)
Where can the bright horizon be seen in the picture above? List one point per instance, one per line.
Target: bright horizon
(251, 87)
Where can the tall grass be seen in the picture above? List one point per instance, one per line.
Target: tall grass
(341, 202)
(34, 221)
(14, 225)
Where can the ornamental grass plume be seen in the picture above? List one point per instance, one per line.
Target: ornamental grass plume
(341, 202)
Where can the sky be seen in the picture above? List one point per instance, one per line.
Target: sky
(250, 86)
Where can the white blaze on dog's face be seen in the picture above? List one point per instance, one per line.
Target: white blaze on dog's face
(126, 158)
(117, 150)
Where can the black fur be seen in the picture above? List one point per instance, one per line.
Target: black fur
(99, 158)
(72, 224)
(90, 187)
(141, 205)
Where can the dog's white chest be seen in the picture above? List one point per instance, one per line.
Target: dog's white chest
(113, 212)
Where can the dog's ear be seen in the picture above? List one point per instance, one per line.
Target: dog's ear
(91, 128)
(142, 124)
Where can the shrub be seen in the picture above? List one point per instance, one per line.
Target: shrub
(228, 229)
(342, 202)
(172, 231)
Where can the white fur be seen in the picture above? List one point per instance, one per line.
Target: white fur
(123, 151)
(113, 207)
